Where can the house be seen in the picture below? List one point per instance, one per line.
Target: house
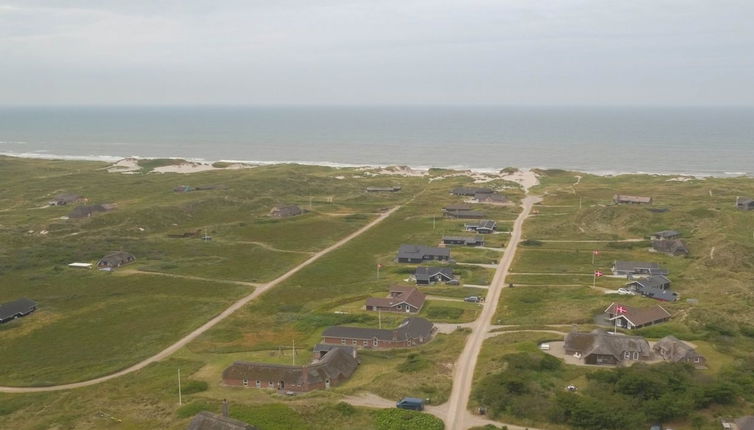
(673, 350)
(674, 247)
(205, 420)
(285, 211)
(401, 299)
(489, 199)
(335, 367)
(600, 347)
(411, 332)
(16, 309)
(631, 317)
(622, 199)
(483, 227)
(65, 199)
(421, 253)
(637, 268)
(468, 191)
(116, 259)
(655, 287)
(665, 235)
(463, 214)
(425, 275)
(392, 189)
(88, 211)
(463, 240)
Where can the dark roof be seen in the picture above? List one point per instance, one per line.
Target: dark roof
(667, 234)
(419, 251)
(393, 188)
(470, 191)
(286, 210)
(65, 198)
(464, 214)
(424, 273)
(453, 208)
(744, 201)
(399, 294)
(464, 239)
(116, 258)
(655, 281)
(670, 246)
(336, 363)
(639, 266)
(208, 421)
(640, 316)
(410, 328)
(484, 224)
(622, 198)
(20, 306)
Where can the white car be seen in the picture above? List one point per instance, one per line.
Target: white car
(625, 292)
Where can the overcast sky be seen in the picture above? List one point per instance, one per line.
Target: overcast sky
(657, 52)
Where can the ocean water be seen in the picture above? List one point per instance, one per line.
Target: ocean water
(700, 141)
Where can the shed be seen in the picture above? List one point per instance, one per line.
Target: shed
(116, 259)
(674, 247)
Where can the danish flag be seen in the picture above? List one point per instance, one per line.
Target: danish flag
(620, 309)
(596, 252)
(380, 266)
(597, 273)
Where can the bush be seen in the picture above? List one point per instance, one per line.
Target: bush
(194, 387)
(193, 408)
(531, 242)
(413, 363)
(401, 419)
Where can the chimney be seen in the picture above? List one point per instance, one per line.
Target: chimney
(226, 408)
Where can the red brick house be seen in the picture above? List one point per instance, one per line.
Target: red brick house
(411, 332)
(335, 366)
(401, 299)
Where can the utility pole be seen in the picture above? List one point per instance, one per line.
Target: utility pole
(294, 352)
(180, 400)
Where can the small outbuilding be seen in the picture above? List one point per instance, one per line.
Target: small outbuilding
(745, 203)
(285, 211)
(622, 199)
(673, 247)
(116, 259)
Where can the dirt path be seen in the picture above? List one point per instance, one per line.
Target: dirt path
(590, 241)
(444, 298)
(167, 352)
(122, 272)
(458, 416)
(266, 246)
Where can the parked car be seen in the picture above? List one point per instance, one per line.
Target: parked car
(625, 292)
(472, 299)
(544, 346)
(413, 403)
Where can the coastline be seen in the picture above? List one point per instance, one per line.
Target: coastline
(252, 163)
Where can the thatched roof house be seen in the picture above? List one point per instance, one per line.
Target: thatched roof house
(116, 259)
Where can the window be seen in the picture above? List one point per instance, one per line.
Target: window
(366, 343)
(270, 384)
(636, 355)
(375, 342)
(259, 383)
(354, 342)
(627, 355)
(342, 341)
(245, 382)
(697, 360)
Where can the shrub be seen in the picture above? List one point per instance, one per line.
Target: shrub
(413, 363)
(401, 419)
(443, 312)
(194, 387)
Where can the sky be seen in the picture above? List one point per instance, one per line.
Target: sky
(395, 52)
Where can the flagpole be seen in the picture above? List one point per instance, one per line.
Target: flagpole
(180, 400)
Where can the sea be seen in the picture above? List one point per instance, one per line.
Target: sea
(699, 141)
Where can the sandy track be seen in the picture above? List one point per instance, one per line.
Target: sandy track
(458, 416)
(167, 352)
